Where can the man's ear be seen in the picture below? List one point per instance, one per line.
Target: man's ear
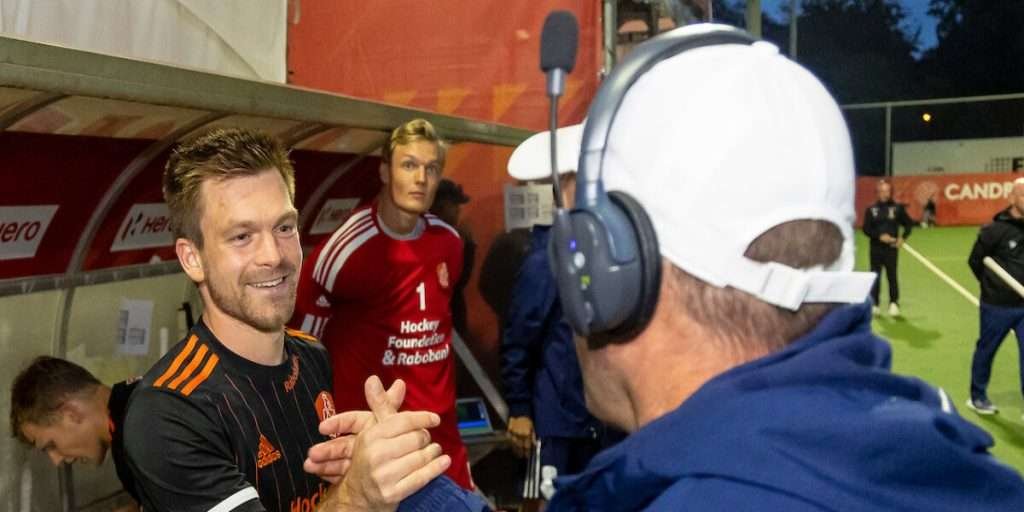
(73, 410)
(191, 262)
(385, 172)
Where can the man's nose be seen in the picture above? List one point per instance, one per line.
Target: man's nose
(269, 252)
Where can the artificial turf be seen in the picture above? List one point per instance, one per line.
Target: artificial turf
(934, 339)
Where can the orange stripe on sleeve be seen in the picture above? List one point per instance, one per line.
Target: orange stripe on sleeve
(177, 362)
(301, 335)
(199, 379)
(198, 358)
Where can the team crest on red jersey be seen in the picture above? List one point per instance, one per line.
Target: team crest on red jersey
(324, 406)
(442, 274)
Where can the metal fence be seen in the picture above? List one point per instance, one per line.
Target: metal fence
(876, 127)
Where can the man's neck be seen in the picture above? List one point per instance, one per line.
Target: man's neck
(657, 393)
(393, 217)
(659, 386)
(103, 394)
(266, 348)
(103, 397)
(1015, 213)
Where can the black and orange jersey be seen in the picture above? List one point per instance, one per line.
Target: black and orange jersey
(207, 429)
(120, 393)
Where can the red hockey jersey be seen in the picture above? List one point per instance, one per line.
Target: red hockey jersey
(380, 303)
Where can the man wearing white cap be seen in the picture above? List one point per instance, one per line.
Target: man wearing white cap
(757, 383)
(541, 376)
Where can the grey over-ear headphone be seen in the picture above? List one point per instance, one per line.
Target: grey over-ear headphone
(604, 252)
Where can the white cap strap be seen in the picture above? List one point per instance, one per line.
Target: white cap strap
(787, 287)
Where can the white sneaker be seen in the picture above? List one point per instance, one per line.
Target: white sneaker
(982, 406)
(894, 309)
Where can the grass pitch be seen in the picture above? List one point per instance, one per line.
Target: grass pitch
(934, 340)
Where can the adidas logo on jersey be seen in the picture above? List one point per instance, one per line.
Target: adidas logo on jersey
(323, 302)
(267, 454)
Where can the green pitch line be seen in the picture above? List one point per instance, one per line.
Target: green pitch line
(935, 338)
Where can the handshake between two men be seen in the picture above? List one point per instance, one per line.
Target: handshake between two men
(388, 455)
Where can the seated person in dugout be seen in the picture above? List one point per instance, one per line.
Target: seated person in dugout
(65, 412)
(224, 421)
(751, 379)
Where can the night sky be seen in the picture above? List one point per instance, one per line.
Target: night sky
(916, 9)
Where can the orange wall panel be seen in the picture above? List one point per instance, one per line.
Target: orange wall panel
(464, 58)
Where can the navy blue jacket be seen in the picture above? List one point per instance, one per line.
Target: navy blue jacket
(820, 426)
(539, 368)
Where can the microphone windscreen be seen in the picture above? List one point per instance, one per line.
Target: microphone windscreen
(558, 41)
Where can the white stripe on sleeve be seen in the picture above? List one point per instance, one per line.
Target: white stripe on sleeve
(236, 499)
(345, 253)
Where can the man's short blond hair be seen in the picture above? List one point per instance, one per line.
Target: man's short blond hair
(412, 131)
(218, 155)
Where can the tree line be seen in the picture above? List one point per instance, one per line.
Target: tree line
(869, 50)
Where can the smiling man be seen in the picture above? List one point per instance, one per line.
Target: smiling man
(378, 290)
(224, 421)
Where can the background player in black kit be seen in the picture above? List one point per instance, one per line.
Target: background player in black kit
(882, 223)
(225, 420)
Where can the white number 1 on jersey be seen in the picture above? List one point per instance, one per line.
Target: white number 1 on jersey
(422, 290)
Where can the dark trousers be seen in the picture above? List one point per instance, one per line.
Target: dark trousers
(995, 324)
(570, 455)
(885, 257)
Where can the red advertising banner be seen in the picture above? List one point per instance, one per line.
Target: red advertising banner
(312, 168)
(137, 228)
(53, 184)
(356, 186)
(960, 199)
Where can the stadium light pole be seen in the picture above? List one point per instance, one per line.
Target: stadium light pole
(611, 33)
(754, 17)
(794, 13)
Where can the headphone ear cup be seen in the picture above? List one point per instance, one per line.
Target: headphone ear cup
(650, 272)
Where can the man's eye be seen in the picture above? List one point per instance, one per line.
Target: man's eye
(409, 166)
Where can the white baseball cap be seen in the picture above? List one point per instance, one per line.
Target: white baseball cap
(722, 143)
(531, 160)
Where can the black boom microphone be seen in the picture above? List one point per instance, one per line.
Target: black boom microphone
(558, 43)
